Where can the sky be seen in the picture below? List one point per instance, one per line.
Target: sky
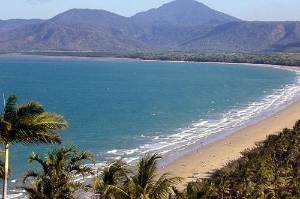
(250, 10)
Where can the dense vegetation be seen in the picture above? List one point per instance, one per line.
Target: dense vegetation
(57, 178)
(118, 181)
(270, 170)
(291, 59)
(284, 59)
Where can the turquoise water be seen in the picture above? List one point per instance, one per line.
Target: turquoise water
(125, 108)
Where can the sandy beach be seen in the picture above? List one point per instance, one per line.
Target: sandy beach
(215, 155)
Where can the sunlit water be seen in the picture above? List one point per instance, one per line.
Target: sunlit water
(126, 108)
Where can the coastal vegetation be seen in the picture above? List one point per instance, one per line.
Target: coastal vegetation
(283, 59)
(28, 124)
(59, 169)
(117, 180)
(269, 170)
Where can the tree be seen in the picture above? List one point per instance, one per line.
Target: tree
(57, 179)
(111, 179)
(27, 124)
(116, 181)
(146, 185)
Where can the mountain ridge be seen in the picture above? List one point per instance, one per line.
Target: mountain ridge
(181, 26)
(188, 12)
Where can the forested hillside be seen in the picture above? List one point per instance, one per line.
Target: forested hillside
(178, 26)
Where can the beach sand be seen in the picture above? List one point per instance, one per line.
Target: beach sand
(217, 154)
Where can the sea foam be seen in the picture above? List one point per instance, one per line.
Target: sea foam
(223, 124)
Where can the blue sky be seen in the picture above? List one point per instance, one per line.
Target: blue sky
(262, 10)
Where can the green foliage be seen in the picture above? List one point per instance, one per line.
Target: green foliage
(2, 166)
(59, 169)
(270, 170)
(285, 59)
(116, 181)
(111, 179)
(28, 124)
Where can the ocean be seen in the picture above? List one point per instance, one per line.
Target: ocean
(127, 108)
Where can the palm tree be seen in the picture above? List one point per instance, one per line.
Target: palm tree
(112, 179)
(28, 124)
(116, 181)
(57, 180)
(210, 189)
(145, 183)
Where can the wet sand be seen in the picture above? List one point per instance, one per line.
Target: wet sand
(201, 162)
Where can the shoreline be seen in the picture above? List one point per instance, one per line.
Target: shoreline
(296, 68)
(199, 163)
(208, 157)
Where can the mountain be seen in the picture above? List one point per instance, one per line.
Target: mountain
(183, 12)
(181, 25)
(54, 36)
(99, 19)
(248, 37)
(12, 24)
(74, 30)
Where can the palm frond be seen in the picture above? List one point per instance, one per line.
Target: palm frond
(57, 181)
(28, 124)
(134, 190)
(30, 137)
(115, 190)
(11, 104)
(116, 172)
(96, 185)
(146, 170)
(84, 155)
(2, 169)
(29, 174)
(2, 152)
(33, 128)
(163, 186)
(82, 170)
(37, 158)
(44, 120)
(28, 109)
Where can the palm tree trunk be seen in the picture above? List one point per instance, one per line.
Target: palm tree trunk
(4, 194)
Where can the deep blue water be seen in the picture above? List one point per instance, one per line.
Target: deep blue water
(124, 108)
